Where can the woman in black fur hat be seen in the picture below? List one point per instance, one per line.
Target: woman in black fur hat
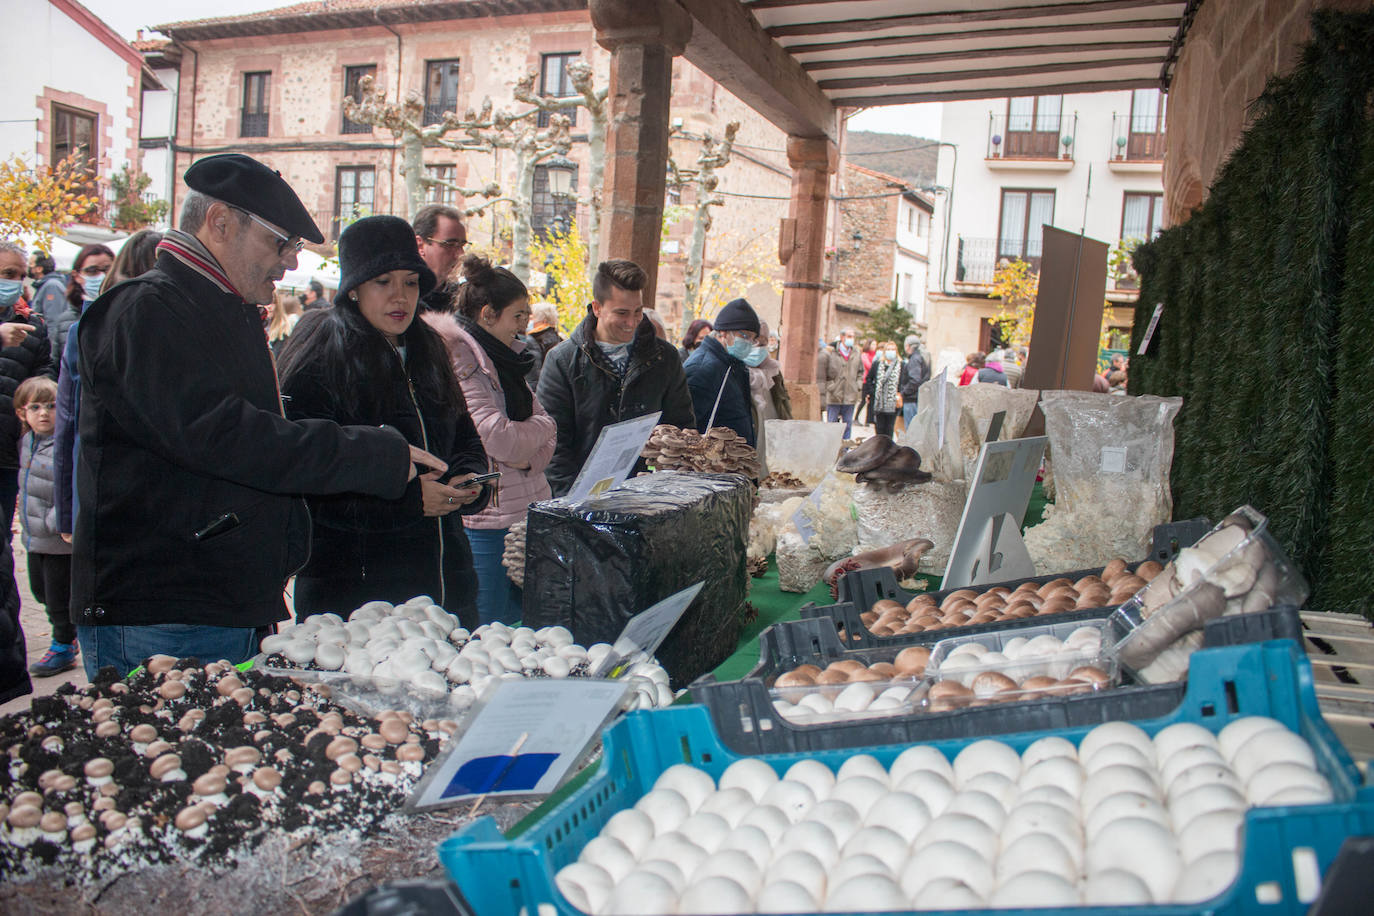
(368, 361)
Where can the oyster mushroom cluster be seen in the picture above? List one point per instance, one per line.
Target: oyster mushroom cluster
(781, 480)
(1231, 570)
(880, 461)
(513, 553)
(191, 763)
(719, 451)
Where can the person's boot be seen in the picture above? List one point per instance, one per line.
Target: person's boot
(59, 657)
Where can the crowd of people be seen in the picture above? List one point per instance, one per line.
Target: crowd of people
(189, 437)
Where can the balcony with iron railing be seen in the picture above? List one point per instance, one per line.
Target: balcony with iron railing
(976, 260)
(1137, 143)
(1025, 141)
(353, 127)
(253, 123)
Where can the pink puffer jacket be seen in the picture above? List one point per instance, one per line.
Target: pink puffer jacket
(509, 443)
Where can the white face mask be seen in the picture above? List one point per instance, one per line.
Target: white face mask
(889, 355)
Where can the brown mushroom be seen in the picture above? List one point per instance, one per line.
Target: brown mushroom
(98, 770)
(410, 752)
(266, 778)
(160, 664)
(165, 767)
(209, 784)
(190, 818)
(143, 734)
(172, 690)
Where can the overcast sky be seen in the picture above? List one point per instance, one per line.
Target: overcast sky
(128, 16)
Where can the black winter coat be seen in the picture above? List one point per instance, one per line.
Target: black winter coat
(582, 392)
(706, 371)
(366, 548)
(32, 357)
(14, 671)
(915, 373)
(188, 473)
(60, 329)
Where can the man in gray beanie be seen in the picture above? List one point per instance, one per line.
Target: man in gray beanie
(915, 372)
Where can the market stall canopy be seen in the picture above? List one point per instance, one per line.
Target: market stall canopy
(310, 266)
(859, 53)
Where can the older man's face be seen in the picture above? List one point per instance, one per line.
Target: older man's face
(253, 256)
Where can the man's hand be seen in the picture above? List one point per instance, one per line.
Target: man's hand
(12, 333)
(66, 537)
(418, 458)
(441, 499)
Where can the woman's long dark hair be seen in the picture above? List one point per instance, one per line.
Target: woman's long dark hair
(75, 288)
(689, 340)
(352, 361)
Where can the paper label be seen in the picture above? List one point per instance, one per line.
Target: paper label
(522, 737)
(1113, 459)
(613, 457)
(645, 632)
(1150, 329)
(804, 526)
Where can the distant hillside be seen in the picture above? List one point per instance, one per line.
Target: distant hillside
(870, 149)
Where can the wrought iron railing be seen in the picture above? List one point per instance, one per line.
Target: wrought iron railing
(253, 124)
(1031, 137)
(354, 127)
(1137, 138)
(434, 111)
(976, 260)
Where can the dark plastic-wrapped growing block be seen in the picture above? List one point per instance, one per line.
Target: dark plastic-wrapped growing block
(592, 565)
(408, 898)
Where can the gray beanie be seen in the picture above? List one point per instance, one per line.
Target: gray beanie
(911, 341)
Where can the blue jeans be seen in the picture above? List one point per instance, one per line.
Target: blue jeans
(497, 596)
(834, 413)
(127, 647)
(908, 412)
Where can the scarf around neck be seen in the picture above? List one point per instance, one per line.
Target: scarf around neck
(511, 369)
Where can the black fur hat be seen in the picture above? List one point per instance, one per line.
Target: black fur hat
(375, 245)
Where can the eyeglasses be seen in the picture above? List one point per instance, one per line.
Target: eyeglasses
(40, 408)
(745, 335)
(93, 271)
(448, 244)
(284, 242)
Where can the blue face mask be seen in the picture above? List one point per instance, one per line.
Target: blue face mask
(92, 286)
(739, 348)
(755, 356)
(9, 292)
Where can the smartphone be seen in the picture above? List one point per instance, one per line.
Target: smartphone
(484, 478)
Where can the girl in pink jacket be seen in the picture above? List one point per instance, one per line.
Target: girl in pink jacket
(491, 307)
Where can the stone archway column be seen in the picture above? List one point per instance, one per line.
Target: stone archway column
(643, 37)
(801, 248)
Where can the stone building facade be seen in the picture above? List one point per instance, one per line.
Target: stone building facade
(881, 249)
(278, 95)
(1232, 49)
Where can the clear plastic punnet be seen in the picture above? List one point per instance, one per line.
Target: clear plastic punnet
(1060, 659)
(1236, 568)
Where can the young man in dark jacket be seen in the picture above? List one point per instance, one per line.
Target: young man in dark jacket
(717, 375)
(189, 477)
(613, 368)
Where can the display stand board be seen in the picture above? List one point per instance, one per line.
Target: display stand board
(1068, 312)
(522, 737)
(645, 632)
(613, 457)
(988, 546)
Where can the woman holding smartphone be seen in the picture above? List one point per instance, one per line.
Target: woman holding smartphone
(367, 361)
(491, 309)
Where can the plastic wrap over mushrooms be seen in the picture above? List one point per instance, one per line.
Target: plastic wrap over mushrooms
(1237, 568)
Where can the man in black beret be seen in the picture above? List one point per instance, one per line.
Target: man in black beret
(189, 477)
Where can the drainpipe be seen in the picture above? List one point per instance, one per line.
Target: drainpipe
(174, 218)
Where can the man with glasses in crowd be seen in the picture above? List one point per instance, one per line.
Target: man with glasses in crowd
(441, 237)
(718, 375)
(189, 477)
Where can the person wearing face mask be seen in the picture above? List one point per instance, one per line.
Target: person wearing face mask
(491, 360)
(718, 376)
(84, 283)
(24, 353)
(881, 389)
(839, 372)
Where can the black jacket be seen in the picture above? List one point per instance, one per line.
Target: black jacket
(32, 357)
(14, 671)
(915, 373)
(187, 473)
(60, 329)
(366, 548)
(582, 392)
(706, 371)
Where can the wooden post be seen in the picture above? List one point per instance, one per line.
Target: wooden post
(802, 251)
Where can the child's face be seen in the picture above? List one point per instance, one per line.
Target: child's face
(41, 416)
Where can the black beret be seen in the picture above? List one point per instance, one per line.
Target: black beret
(248, 184)
(375, 245)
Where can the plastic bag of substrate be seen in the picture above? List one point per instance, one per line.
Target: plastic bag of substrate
(769, 519)
(827, 532)
(806, 449)
(940, 457)
(1111, 464)
(928, 510)
(977, 404)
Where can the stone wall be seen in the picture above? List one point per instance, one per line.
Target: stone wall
(1233, 47)
(861, 269)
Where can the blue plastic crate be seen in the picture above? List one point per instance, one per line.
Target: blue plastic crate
(502, 877)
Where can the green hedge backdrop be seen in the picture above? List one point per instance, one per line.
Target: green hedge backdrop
(1266, 325)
